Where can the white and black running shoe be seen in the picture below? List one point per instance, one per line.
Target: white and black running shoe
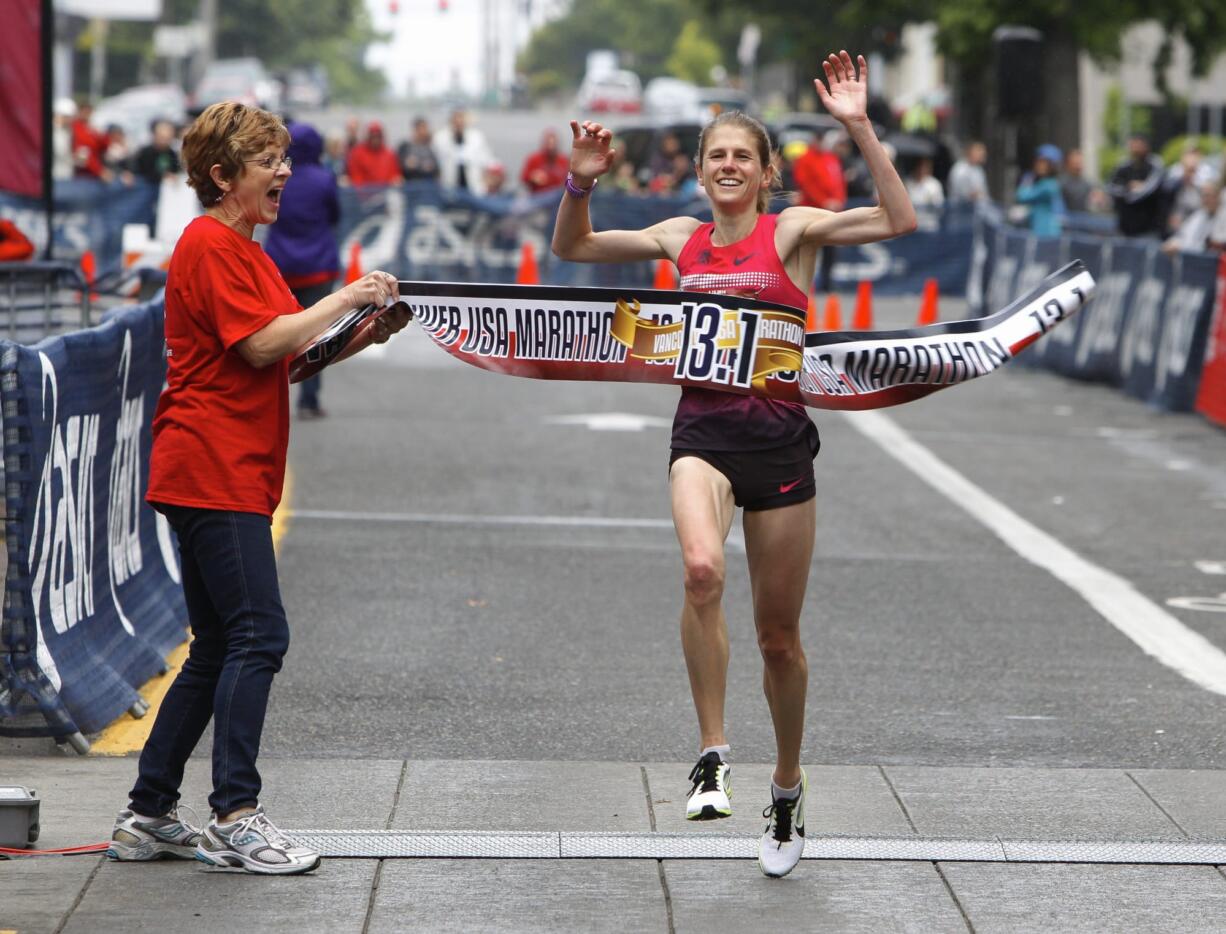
(254, 843)
(137, 838)
(784, 840)
(711, 796)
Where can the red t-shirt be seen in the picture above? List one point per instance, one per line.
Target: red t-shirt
(367, 166)
(710, 420)
(555, 168)
(819, 176)
(221, 428)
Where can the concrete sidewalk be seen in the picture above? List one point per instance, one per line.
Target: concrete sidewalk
(882, 807)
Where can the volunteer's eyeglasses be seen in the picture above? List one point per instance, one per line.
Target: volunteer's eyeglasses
(272, 162)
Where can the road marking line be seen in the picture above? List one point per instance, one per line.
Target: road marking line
(735, 540)
(443, 518)
(126, 734)
(1156, 632)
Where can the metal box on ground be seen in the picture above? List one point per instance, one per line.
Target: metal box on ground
(18, 816)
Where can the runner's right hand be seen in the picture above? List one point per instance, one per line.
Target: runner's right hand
(590, 155)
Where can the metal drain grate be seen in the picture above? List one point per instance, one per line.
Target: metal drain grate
(393, 844)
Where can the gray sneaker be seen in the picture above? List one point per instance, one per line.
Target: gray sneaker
(143, 838)
(254, 843)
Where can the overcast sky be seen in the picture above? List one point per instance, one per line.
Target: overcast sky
(432, 48)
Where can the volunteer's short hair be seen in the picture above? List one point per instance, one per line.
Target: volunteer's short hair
(225, 134)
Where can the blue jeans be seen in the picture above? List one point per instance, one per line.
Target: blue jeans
(240, 636)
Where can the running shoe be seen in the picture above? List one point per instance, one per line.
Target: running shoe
(711, 796)
(784, 840)
(254, 843)
(142, 838)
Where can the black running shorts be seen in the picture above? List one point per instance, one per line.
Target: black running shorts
(765, 479)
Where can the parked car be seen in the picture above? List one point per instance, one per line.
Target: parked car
(668, 98)
(800, 127)
(305, 89)
(616, 92)
(135, 109)
(237, 79)
(714, 101)
(637, 141)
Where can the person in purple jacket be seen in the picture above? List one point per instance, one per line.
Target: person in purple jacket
(302, 241)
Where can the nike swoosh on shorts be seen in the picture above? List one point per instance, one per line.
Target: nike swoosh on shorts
(789, 487)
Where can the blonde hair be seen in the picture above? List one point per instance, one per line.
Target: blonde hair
(762, 142)
(225, 134)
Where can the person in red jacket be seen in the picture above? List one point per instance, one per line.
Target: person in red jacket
(818, 174)
(15, 247)
(372, 162)
(88, 147)
(545, 169)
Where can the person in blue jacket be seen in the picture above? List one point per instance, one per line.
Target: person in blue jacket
(302, 241)
(1040, 192)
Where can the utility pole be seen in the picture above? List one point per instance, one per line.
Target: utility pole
(208, 47)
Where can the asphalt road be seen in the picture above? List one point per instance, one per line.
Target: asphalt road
(468, 577)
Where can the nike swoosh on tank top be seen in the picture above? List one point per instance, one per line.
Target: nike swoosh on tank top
(710, 420)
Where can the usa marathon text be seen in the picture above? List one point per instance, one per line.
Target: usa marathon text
(871, 369)
(579, 335)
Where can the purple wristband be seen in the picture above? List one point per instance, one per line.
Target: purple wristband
(575, 189)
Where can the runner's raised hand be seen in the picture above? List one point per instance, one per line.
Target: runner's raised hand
(590, 155)
(847, 98)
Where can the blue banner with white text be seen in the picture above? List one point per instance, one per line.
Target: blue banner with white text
(1147, 327)
(93, 601)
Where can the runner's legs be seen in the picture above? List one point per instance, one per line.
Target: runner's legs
(702, 514)
(779, 546)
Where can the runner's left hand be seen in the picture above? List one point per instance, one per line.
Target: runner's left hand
(847, 99)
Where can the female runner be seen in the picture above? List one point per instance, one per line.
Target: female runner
(730, 450)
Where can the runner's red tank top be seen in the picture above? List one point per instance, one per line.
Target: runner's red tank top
(710, 420)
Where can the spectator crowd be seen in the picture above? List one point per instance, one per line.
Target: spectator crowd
(1180, 205)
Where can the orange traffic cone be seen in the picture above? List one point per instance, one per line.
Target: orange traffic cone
(354, 272)
(811, 315)
(665, 279)
(928, 304)
(528, 273)
(89, 271)
(862, 319)
(834, 316)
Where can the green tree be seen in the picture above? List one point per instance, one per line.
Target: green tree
(642, 31)
(694, 54)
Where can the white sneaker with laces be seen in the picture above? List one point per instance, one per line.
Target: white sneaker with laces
(254, 843)
(784, 839)
(711, 796)
(137, 838)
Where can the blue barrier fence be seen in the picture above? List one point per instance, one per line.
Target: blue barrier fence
(421, 231)
(92, 596)
(1147, 327)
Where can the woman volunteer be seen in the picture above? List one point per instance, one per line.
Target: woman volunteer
(220, 435)
(730, 450)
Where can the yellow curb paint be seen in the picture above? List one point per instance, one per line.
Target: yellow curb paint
(127, 734)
